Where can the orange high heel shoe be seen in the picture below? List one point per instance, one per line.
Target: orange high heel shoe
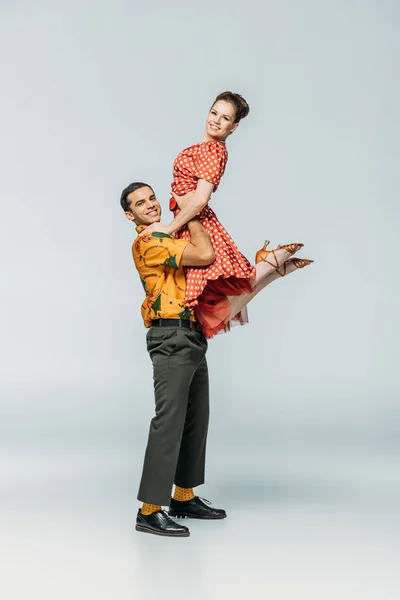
(263, 254)
(299, 263)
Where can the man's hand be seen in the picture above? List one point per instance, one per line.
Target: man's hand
(182, 200)
(155, 227)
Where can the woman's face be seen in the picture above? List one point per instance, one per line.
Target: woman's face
(221, 120)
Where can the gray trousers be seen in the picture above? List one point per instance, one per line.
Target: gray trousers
(176, 445)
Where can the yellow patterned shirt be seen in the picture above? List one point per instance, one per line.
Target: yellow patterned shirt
(157, 258)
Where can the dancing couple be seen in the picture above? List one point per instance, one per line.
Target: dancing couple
(197, 284)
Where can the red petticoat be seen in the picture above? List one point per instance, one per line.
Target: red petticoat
(213, 308)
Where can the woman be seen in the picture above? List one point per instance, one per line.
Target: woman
(220, 292)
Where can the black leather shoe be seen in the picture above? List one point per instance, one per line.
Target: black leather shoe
(160, 523)
(197, 508)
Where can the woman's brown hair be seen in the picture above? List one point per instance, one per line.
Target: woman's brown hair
(241, 107)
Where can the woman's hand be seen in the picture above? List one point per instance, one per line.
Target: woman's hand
(155, 227)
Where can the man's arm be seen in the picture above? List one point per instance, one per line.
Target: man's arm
(199, 252)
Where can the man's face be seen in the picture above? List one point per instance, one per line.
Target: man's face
(144, 207)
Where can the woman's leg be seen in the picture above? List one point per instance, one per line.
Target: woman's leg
(291, 265)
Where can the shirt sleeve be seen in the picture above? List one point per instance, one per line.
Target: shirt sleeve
(158, 249)
(210, 162)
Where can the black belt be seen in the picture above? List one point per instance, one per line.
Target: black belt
(176, 323)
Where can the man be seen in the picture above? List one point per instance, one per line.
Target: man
(178, 432)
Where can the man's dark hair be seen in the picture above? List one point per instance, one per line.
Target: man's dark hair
(132, 187)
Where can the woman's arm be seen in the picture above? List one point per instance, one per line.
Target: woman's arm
(191, 208)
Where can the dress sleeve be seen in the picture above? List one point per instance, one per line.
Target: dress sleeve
(210, 162)
(158, 249)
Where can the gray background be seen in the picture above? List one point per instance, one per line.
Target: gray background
(305, 414)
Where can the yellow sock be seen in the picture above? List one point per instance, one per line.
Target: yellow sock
(183, 494)
(149, 509)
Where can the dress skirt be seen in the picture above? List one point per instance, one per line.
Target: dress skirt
(208, 288)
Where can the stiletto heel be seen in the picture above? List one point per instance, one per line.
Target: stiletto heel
(263, 253)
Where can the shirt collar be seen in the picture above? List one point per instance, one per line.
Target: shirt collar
(140, 228)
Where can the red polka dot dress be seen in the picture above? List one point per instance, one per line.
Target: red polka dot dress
(208, 288)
